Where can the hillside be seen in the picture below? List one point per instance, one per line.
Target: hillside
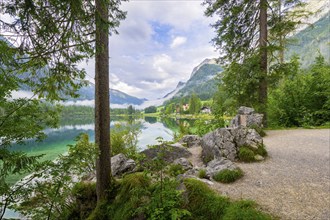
(201, 82)
(312, 40)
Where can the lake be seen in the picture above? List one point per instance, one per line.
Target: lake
(57, 140)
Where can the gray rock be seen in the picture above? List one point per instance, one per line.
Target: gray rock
(186, 165)
(217, 144)
(246, 118)
(259, 157)
(170, 152)
(218, 165)
(246, 137)
(121, 164)
(254, 120)
(225, 142)
(245, 110)
(191, 140)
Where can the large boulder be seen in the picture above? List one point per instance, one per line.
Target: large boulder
(184, 162)
(121, 164)
(247, 117)
(217, 165)
(225, 142)
(217, 144)
(246, 137)
(190, 140)
(169, 152)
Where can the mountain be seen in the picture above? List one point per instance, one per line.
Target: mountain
(201, 80)
(312, 40)
(116, 96)
(175, 91)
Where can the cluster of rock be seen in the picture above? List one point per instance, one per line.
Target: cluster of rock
(225, 142)
(247, 117)
(220, 148)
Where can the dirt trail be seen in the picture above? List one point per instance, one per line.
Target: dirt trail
(294, 181)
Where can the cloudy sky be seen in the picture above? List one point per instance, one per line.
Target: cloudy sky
(159, 44)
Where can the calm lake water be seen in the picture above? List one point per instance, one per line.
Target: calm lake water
(57, 140)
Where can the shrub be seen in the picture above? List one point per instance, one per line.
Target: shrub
(244, 210)
(85, 194)
(228, 176)
(246, 154)
(132, 195)
(202, 173)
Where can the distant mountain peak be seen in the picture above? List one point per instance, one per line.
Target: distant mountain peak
(206, 61)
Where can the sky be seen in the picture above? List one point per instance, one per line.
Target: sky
(159, 44)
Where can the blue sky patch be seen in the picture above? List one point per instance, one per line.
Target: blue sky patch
(161, 33)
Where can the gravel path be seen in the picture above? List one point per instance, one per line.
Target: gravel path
(294, 181)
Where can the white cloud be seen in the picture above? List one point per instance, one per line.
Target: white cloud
(159, 44)
(178, 41)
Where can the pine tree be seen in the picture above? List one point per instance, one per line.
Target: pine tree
(242, 33)
(46, 40)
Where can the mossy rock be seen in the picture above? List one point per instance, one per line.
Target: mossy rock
(249, 154)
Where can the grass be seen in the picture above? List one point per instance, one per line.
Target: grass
(204, 204)
(175, 170)
(245, 210)
(202, 174)
(136, 197)
(245, 154)
(228, 176)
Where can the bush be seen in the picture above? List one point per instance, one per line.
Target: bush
(245, 154)
(85, 194)
(124, 140)
(244, 210)
(132, 195)
(228, 176)
(202, 174)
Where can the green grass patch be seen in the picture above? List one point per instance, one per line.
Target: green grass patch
(202, 174)
(203, 203)
(228, 176)
(245, 154)
(175, 170)
(245, 210)
(262, 150)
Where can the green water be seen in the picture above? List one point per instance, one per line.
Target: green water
(57, 140)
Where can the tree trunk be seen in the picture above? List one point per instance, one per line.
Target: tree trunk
(102, 107)
(263, 59)
(281, 39)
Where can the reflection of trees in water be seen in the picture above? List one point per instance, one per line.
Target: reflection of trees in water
(151, 120)
(73, 120)
(174, 124)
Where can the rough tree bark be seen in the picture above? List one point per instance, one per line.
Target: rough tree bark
(102, 107)
(263, 59)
